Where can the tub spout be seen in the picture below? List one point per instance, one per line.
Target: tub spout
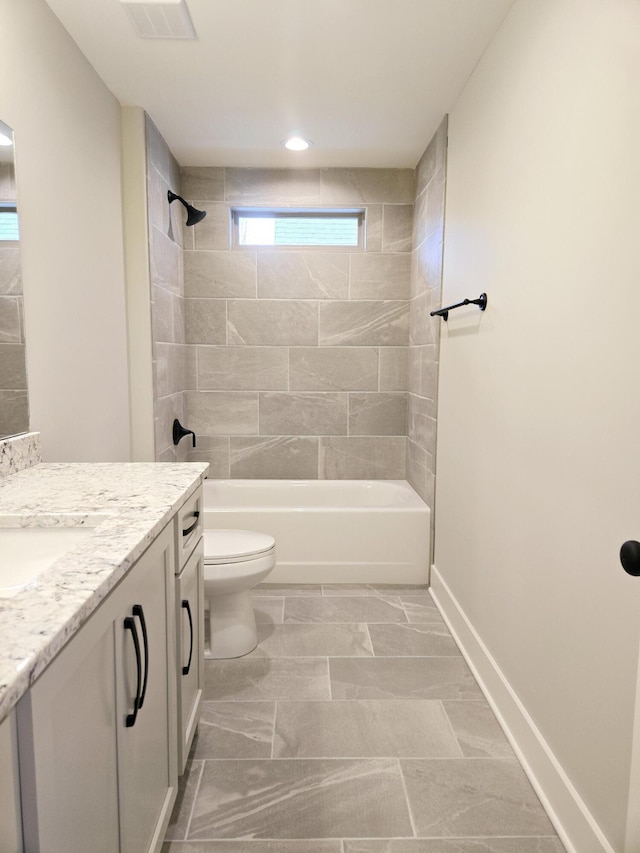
(179, 432)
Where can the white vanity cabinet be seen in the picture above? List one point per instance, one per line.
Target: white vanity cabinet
(96, 732)
(189, 622)
(11, 821)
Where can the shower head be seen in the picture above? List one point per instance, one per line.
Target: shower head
(193, 216)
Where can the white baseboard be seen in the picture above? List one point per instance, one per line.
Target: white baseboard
(571, 818)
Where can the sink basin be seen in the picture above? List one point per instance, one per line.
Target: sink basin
(26, 552)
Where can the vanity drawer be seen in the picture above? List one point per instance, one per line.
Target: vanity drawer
(189, 526)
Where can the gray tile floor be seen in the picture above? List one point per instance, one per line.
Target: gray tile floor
(354, 727)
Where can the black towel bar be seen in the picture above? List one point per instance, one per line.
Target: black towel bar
(481, 301)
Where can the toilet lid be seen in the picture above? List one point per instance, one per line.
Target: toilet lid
(226, 546)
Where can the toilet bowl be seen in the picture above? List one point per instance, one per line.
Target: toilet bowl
(234, 562)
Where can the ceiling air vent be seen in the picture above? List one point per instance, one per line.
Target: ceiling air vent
(160, 19)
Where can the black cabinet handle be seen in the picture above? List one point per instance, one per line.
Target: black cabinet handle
(193, 526)
(630, 557)
(130, 625)
(139, 612)
(187, 607)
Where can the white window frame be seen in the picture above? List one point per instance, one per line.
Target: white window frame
(9, 207)
(302, 212)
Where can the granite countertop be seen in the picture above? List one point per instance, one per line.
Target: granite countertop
(130, 503)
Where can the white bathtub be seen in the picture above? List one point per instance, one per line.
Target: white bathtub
(329, 531)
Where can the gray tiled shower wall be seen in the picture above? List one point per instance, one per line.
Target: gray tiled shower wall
(14, 414)
(299, 364)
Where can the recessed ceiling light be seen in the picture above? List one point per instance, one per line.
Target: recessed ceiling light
(4, 140)
(296, 143)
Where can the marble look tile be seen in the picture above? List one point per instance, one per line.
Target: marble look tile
(181, 814)
(162, 313)
(266, 678)
(303, 275)
(10, 321)
(421, 422)
(394, 369)
(421, 610)
(170, 363)
(343, 609)
(287, 589)
(220, 274)
(268, 610)
(435, 202)
(165, 262)
(321, 413)
(213, 449)
(254, 846)
(10, 272)
(222, 412)
(362, 457)
(378, 414)
(541, 844)
(422, 327)
(13, 371)
(202, 183)
(235, 730)
(295, 641)
(243, 368)
(273, 186)
(412, 640)
(364, 323)
(333, 368)
(357, 186)
(397, 229)
(426, 271)
(433, 158)
(477, 730)
(373, 228)
(378, 276)
(159, 154)
(402, 678)
(418, 473)
(206, 321)
(363, 729)
(385, 590)
(214, 231)
(283, 458)
(273, 322)
(14, 410)
(306, 798)
(467, 798)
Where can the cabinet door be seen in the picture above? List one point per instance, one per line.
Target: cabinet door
(66, 735)
(190, 650)
(147, 762)
(11, 822)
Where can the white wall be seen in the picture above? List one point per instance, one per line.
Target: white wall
(538, 460)
(67, 130)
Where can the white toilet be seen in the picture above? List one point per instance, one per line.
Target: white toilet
(234, 562)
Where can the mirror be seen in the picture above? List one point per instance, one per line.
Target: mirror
(14, 406)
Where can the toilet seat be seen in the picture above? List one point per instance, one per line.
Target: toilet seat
(236, 546)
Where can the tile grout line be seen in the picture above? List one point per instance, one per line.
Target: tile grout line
(273, 728)
(406, 797)
(195, 799)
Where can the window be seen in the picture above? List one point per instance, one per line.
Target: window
(299, 228)
(8, 221)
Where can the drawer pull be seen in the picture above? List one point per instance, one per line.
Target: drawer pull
(139, 612)
(130, 625)
(193, 526)
(187, 607)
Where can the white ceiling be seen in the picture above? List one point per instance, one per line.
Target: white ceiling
(367, 80)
